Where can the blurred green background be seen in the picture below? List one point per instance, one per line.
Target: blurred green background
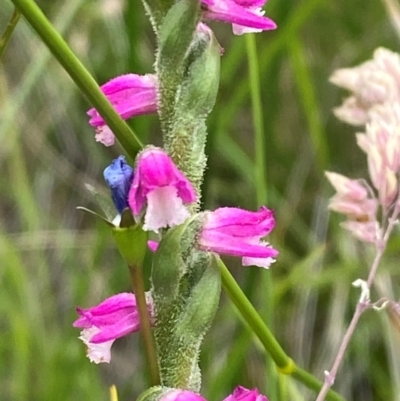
(53, 257)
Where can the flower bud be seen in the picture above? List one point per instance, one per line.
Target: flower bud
(118, 176)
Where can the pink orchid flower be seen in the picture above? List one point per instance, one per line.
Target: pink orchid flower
(161, 190)
(131, 95)
(113, 318)
(239, 394)
(239, 232)
(244, 15)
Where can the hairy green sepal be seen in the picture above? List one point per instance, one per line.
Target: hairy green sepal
(185, 141)
(186, 287)
(175, 37)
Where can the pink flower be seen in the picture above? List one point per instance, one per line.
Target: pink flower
(181, 395)
(160, 185)
(238, 232)
(244, 15)
(239, 394)
(103, 324)
(131, 95)
(243, 394)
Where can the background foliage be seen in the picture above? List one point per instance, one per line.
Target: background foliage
(53, 257)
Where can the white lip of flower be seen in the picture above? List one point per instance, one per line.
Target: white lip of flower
(164, 208)
(97, 353)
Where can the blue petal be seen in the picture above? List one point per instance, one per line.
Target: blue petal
(119, 176)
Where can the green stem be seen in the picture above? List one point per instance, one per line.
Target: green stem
(258, 121)
(4, 40)
(145, 324)
(261, 187)
(78, 73)
(284, 363)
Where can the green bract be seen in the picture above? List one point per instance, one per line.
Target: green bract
(186, 289)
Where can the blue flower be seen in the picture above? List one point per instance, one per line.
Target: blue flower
(119, 176)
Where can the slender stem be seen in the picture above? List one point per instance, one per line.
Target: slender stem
(5, 38)
(145, 324)
(258, 121)
(261, 184)
(284, 363)
(362, 305)
(78, 73)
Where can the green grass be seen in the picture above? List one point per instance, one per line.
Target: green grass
(53, 257)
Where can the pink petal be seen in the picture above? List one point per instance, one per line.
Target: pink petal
(181, 395)
(241, 223)
(243, 394)
(129, 81)
(232, 12)
(237, 246)
(104, 135)
(153, 245)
